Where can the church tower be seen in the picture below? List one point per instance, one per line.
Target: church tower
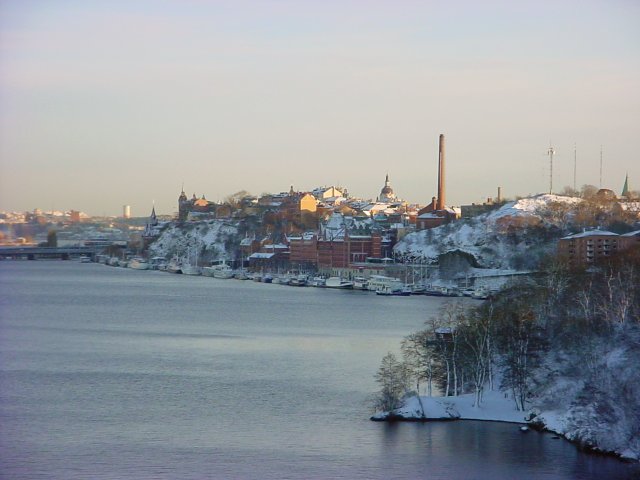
(183, 206)
(386, 194)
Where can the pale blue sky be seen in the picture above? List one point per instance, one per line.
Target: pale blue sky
(110, 103)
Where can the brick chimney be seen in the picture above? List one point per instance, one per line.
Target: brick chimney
(441, 190)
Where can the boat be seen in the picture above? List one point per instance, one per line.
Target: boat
(113, 261)
(267, 278)
(299, 281)
(338, 282)
(376, 282)
(138, 263)
(360, 283)
(397, 292)
(190, 262)
(318, 282)
(85, 259)
(173, 267)
(281, 280)
(222, 271)
(158, 263)
(188, 269)
(123, 263)
(437, 291)
(418, 289)
(241, 275)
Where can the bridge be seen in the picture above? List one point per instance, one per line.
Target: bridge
(32, 253)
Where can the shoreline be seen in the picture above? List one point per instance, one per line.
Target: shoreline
(494, 408)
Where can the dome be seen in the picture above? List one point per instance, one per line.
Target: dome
(386, 194)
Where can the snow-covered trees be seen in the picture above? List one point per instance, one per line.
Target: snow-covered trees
(566, 341)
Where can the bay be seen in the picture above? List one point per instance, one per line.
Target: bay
(113, 373)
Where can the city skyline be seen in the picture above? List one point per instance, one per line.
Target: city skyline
(105, 105)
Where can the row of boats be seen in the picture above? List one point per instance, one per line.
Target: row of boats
(380, 284)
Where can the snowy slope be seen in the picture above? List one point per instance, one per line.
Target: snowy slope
(514, 236)
(212, 240)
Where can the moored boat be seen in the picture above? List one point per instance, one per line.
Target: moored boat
(138, 263)
(360, 283)
(338, 282)
(222, 271)
(376, 282)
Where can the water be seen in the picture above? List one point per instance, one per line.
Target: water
(113, 373)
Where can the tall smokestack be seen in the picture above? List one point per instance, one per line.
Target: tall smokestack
(440, 205)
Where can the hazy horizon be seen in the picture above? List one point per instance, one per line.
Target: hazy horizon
(111, 103)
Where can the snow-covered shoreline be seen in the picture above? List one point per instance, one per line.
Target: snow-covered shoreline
(496, 407)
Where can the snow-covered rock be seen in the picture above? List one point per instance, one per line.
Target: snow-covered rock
(514, 236)
(208, 240)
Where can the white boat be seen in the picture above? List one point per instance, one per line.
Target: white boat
(138, 263)
(85, 259)
(241, 275)
(338, 282)
(173, 266)
(377, 282)
(299, 280)
(360, 283)
(188, 269)
(222, 271)
(399, 292)
(318, 281)
(282, 279)
(113, 261)
(158, 263)
(123, 263)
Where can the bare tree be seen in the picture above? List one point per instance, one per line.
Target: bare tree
(393, 378)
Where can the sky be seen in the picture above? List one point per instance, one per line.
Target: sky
(104, 104)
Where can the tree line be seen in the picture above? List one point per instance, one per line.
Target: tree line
(562, 322)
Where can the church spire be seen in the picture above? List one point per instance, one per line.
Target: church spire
(625, 188)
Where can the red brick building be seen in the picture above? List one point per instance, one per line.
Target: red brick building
(588, 247)
(342, 252)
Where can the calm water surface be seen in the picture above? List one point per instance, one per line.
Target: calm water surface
(114, 373)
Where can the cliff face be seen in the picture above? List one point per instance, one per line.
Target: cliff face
(207, 241)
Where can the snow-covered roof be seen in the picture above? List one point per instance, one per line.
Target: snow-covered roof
(274, 246)
(591, 233)
(631, 234)
(261, 255)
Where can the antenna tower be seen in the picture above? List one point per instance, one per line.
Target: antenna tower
(575, 166)
(600, 166)
(551, 152)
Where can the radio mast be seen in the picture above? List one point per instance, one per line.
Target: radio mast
(600, 166)
(551, 152)
(575, 166)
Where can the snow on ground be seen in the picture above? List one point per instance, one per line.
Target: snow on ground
(497, 239)
(582, 425)
(208, 238)
(495, 407)
(531, 206)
